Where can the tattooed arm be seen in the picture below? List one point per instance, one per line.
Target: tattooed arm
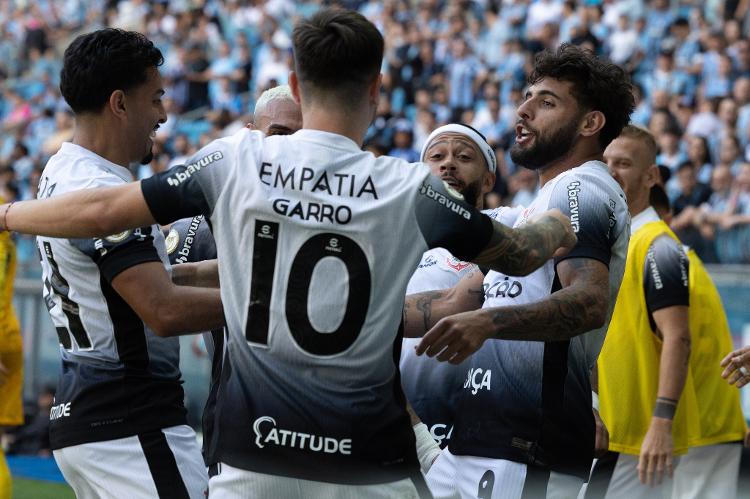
(519, 252)
(423, 310)
(580, 306)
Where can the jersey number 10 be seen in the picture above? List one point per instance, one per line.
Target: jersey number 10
(303, 264)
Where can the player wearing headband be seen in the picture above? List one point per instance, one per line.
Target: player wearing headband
(463, 159)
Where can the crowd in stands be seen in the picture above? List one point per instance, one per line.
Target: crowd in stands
(446, 60)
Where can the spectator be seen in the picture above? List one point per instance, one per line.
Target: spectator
(691, 195)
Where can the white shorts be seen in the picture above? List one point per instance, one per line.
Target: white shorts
(708, 472)
(158, 464)
(615, 476)
(466, 477)
(232, 483)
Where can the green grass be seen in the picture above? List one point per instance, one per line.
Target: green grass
(35, 489)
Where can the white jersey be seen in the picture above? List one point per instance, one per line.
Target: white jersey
(530, 401)
(431, 386)
(118, 378)
(316, 241)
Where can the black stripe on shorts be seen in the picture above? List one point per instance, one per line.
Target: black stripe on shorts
(535, 485)
(163, 467)
(601, 476)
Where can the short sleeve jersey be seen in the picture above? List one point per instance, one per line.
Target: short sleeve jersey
(529, 401)
(316, 241)
(118, 378)
(431, 386)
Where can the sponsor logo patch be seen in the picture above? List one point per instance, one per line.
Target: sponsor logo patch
(118, 238)
(267, 434)
(173, 238)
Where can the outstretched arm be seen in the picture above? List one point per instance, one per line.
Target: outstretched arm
(580, 306)
(87, 213)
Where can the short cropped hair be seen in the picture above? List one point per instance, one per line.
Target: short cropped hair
(280, 92)
(337, 50)
(98, 63)
(644, 137)
(597, 85)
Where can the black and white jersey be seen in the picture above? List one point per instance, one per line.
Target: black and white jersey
(431, 386)
(118, 378)
(190, 240)
(316, 241)
(530, 401)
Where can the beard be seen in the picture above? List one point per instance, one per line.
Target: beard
(472, 192)
(546, 149)
(147, 158)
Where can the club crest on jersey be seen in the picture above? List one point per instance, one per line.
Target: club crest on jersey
(172, 239)
(267, 434)
(456, 264)
(118, 238)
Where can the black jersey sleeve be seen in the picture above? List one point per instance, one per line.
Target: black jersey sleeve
(665, 275)
(190, 189)
(118, 252)
(447, 221)
(190, 240)
(591, 214)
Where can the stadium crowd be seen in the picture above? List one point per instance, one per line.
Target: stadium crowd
(445, 61)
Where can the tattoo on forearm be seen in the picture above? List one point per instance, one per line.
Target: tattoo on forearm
(564, 314)
(521, 251)
(687, 343)
(424, 305)
(665, 408)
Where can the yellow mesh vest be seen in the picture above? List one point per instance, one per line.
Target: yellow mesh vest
(629, 361)
(721, 418)
(10, 336)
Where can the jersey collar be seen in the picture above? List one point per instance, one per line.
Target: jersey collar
(327, 138)
(644, 217)
(75, 149)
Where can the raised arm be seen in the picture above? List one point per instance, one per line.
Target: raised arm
(446, 221)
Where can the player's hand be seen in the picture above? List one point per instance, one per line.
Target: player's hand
(737, 367)
(456, 337)
(602, 436)
(656, 452)
(569, 238)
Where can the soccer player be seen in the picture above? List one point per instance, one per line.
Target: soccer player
(316, 240)
(667, 307)
(11, 355)
(190, 240)
(118, 426)
(463, 159)
(276, 112)
(524, 425)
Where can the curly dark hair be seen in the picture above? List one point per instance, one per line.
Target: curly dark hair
(98, 63)
(598, 85)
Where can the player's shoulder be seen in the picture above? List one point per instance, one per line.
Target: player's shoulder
(506, 215)
(74, 167)
(591, 174)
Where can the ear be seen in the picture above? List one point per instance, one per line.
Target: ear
(116, 104)
(593, 122)
(651, 176)
(294, 86)
(374, 90)
(488, 182)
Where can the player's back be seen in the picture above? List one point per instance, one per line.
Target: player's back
(117, 376)
(316, 241)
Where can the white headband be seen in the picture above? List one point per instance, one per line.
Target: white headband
(470, 133)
